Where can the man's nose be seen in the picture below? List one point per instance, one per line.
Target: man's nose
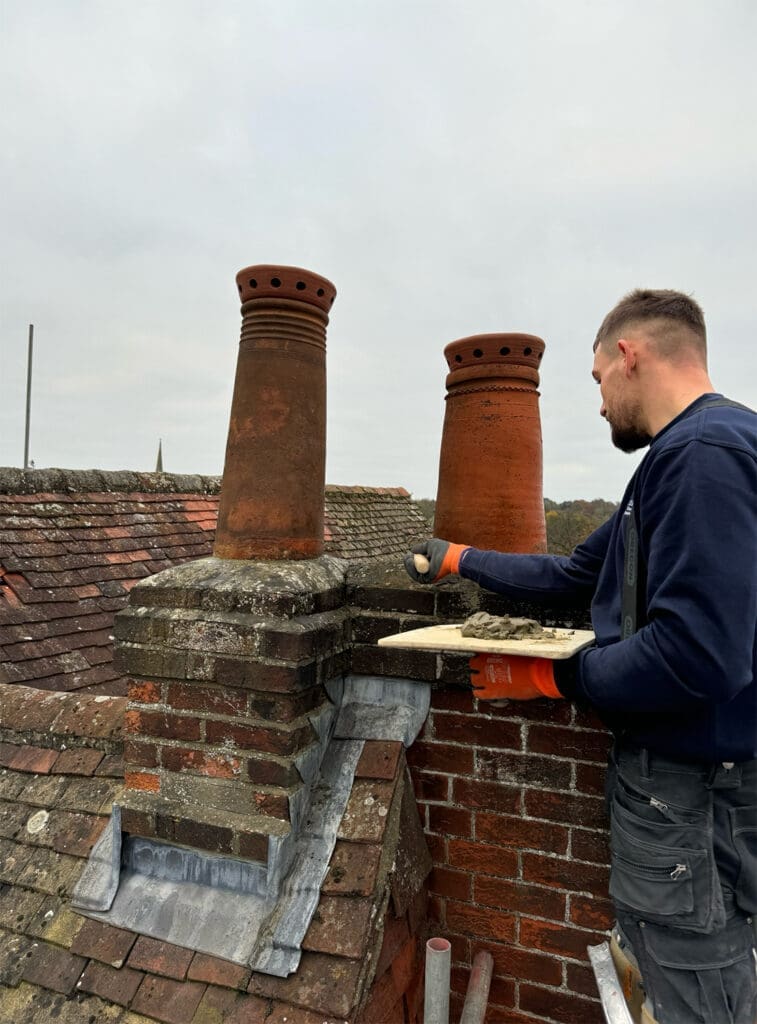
(603, 410)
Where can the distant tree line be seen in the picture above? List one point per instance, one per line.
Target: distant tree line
(568, 522)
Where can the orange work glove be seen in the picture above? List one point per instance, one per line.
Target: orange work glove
(494, 676)
(436, 559)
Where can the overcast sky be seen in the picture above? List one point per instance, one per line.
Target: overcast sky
(454, 168)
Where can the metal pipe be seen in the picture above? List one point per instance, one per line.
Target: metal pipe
(436, 994)
(28, 395)
(477, 994)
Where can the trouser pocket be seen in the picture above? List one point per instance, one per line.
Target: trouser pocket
(700, 978)
(744, 833)
(663, 870)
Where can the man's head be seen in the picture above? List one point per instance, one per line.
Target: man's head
(647, 340)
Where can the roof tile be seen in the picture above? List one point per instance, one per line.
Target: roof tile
(116, 986)
(53, 968)
(171, 1002)
(160, 958)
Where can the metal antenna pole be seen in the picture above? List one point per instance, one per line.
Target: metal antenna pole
(28, 395)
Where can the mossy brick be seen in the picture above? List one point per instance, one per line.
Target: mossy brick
(76, 834)
(13, 955)
(55, 922)
(13, 818)
(14, 858)
(224, 1006)
(90, 795)
(353, 869)
(97, 717)
(78, 761)
(50, 872)
(18, 907)
(367, 812)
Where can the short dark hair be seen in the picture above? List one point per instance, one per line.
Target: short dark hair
(671, 310)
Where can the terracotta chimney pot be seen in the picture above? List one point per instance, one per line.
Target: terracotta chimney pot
(490, 466)
(272, 496)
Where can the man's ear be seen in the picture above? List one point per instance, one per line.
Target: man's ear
(627, 351)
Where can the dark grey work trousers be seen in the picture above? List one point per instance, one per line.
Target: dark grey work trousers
(683, 881)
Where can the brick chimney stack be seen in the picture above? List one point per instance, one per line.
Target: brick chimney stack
(229, 656)
(272, 496)
(490, 467)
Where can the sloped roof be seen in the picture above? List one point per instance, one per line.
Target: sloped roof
(60, 771)
(74, 543)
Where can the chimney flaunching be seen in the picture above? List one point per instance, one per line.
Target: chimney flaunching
(274, 476)
(490, 467)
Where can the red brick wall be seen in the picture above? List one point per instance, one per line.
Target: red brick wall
(513, 809)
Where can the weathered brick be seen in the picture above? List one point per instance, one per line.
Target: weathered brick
(591, 779)
(591, 846)
(146, 782)
(557, 939)
(591, 912)
(566, 807)
(457, 885)
(140, 753)
(467, 855)
(489, 796)
(213, 838)
(523, 769)
(223, 1006)
(580, 745)
(165, 726)
(258, 737)
(519, 897)
(523, 833)
(366, 814)
(213, 764)
(441, 757)
(393, 599)
(272, 771)
(545, 1002)
(219, 700)
(429, 786)
(481, 922)
(450, 821)
(515, 962)
(564, 873)
(78, 761)
(476, 730)
(145, 692)
(388, 661)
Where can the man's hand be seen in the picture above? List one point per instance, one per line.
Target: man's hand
(442, 557)
(497, 676)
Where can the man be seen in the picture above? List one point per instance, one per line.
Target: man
(671, 578)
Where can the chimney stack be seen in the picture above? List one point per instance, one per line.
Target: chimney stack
(490, 467)
(272, 496)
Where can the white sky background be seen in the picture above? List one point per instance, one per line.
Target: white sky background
(454, 168)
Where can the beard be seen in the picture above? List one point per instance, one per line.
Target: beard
(629, 439)
(626, 431)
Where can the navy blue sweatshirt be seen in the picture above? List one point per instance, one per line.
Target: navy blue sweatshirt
(684, 684)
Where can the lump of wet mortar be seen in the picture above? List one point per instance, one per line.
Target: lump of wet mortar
(502, 627)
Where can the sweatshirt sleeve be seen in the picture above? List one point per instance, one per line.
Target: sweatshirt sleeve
(538, 577)
(699, 540)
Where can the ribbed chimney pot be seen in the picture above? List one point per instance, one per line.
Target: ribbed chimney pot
(490, 466)
(272, 496)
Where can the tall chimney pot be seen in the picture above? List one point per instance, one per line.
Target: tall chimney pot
(272, 496)
(490, 467)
